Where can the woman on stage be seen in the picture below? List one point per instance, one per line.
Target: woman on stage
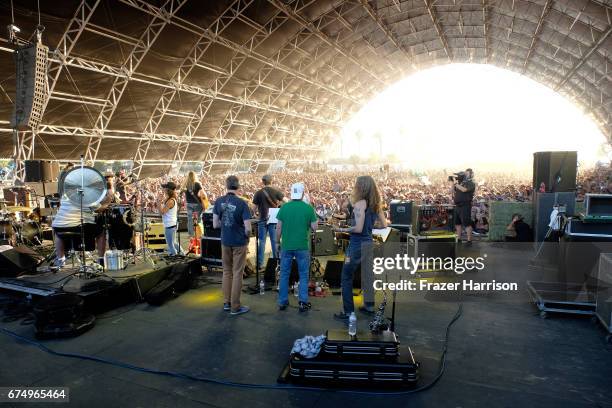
(196, 200)
(169, 212)
(367, 214)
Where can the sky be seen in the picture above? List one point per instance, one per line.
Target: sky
(470, 115)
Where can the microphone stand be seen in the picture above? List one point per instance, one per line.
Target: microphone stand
(144, 250)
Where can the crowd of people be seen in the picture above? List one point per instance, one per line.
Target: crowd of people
(329, 191)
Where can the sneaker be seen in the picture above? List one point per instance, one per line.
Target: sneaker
(468, 243)
(304, 307)
(242, 310)
(282, 307)
(341, 316)
(226, 307)
(366, 310)
(60, 262)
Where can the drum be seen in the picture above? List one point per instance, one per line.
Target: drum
(120, 230)
(31, 233)
(7, 233)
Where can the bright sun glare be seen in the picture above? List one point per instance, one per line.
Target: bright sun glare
(461, 115)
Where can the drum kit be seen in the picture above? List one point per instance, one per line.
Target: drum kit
(85, 187)
(17, 227)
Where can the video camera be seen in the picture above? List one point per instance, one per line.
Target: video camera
(459, 177)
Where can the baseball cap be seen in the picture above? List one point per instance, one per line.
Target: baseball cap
(297, 191)
(171, 185)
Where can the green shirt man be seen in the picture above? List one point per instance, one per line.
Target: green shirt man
(296, 218)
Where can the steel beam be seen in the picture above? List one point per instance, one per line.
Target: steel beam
(130, 65)
(538, 30)
(434, 19)
(604, 36)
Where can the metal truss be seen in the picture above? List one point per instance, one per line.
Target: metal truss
(235, 110)
(323, 37)
(538, 31)
(192, 60)
(434, 19)
(140, 50)
(76, 131)
(246, 50)
(23, 144)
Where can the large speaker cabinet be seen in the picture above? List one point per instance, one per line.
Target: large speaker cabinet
(557, 170)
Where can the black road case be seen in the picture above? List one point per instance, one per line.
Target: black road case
(366, 344)
(401, 371)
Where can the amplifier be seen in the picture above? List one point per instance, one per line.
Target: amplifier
(401, 214)
(430, 218)
(207, 220)
(323, 243)
(155, 237)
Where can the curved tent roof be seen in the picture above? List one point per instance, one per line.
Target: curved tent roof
(250, 81)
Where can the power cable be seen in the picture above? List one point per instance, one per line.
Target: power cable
(273, 387)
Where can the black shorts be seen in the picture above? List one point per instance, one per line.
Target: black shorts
(463, 215)
(91, 230)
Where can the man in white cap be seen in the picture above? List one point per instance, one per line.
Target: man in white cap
(295, 221)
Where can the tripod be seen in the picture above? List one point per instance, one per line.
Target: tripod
(560, 221)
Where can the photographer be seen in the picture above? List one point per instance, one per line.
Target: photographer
(463, 193)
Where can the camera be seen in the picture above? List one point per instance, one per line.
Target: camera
(459, 177)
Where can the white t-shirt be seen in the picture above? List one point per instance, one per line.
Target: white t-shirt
(69, 215)
(169, 217)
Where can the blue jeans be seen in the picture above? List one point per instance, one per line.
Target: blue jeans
(302, 258)
(358, 252)
(191, 209)
(262, 230)
(172, 245)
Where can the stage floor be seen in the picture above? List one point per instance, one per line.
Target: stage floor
(500, 353)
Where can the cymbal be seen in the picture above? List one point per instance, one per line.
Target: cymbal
(90, 181)
(17, 208)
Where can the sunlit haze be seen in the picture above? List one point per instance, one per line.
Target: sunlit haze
(461, 115)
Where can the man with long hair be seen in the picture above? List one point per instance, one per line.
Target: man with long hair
(367, 214)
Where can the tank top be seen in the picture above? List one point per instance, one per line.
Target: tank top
(366, 231)
(169, 217)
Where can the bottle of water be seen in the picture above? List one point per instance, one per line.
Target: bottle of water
(296, 289)
(352, 329)
(262, 287)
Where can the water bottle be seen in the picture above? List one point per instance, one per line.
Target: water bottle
(352, 325)
(296, 289)
(262, 287)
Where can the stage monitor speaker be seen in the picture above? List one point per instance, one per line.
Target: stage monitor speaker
(31, 95)
(270, 271)
(557, 170)
(33, 171)
(207, 220)
(324, 243)
(333, 274)
(41, 171)
(15, 261)
(401, 213)
(50, 170)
